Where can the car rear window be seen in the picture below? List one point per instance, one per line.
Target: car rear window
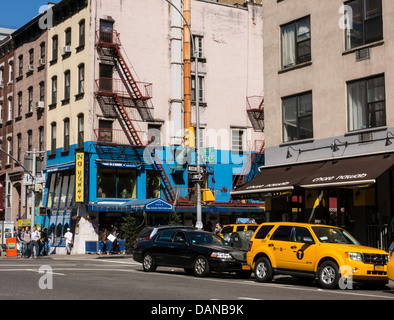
(146, 232)
(263, 231)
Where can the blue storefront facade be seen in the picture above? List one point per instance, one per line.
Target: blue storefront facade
(114, 177)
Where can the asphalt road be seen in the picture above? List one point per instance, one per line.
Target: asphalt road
(84, 278)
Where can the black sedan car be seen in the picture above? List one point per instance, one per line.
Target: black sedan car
(198, 252)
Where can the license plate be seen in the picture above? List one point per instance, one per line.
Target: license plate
(379, 268)
(245, 267)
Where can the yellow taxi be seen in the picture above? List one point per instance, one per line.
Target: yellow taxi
(390, 265)
(231, 228)
(313, 251)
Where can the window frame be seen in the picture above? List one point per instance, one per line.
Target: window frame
(298, 117)
(296, 43)
(365, 107)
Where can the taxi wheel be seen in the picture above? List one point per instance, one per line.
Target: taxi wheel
(263, 270)
(329, 275)
(201, 266)
(148, 262)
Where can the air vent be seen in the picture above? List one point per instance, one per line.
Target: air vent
(363, 54)
(365, 137)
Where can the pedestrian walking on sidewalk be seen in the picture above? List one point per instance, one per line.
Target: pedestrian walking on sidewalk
(26, 237)
(104, 242)
(44, 240)
(35, 239)
(69, 240)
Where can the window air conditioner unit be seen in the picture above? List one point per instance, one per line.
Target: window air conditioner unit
(39, 105)
(30, 67)
(42, 62)
(67, 49)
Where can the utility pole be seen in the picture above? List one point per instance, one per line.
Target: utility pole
(33, 175)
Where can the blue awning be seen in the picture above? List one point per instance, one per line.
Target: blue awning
(135, 205)
(59, 167)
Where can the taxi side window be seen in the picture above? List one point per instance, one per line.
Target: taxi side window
(300, 233)
(228, 229)
(263, 231)
(282, 233)
(240, 228)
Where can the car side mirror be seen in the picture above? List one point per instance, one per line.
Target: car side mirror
(308, 240)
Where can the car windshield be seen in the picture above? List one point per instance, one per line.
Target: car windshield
(334, 235)
(205, 238)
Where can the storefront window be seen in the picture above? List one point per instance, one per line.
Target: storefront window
(152, 184)
(51, 189)
(64, 190)
(56, 195)
(113, 183)
(71, 191)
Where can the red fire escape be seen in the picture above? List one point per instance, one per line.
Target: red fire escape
(127, 92)
(255, 110)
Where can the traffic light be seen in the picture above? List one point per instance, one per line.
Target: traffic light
(42, 211)
(190, 140)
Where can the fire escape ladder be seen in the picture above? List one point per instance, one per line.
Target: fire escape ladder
(122, 111)
(167, 188)
(135, 90)
(255, 110)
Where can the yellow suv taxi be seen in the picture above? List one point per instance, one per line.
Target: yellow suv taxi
(326, 253)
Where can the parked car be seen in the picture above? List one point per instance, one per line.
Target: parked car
(148, 232)
(198, 252)
(390, 268)
(316, 252)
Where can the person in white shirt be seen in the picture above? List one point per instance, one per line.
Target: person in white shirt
(69, 240)
(35, 237)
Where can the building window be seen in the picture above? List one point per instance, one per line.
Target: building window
(237, 139)
(105, 131)
(200, 88)
(19, 147)
(154, 134)
(53, 138)
(41, 138)
(67, 85)
(31, 58)
(81, 79)
(55, 47)
(9, 149)
(67, 37)
(296, 42)
(42, 50)
(116, 183)
(80, 131)
(9, 118)
(82, 33)
(66, 137)
(30, 102)
(20, 70)
(54, 90)
(367, 103)
(42, 91)
(297, 117)
(20, 101)
(198, 42)
(365, 24)
(153, 183)
(29, 140)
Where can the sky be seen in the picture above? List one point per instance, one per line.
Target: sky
(16, 13)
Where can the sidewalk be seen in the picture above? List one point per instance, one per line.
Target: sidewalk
(73, 256)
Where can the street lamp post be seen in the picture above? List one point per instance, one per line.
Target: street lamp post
(198, 163)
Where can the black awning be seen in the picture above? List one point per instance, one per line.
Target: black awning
(358, 171)
(345, 172)
(275, 181)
